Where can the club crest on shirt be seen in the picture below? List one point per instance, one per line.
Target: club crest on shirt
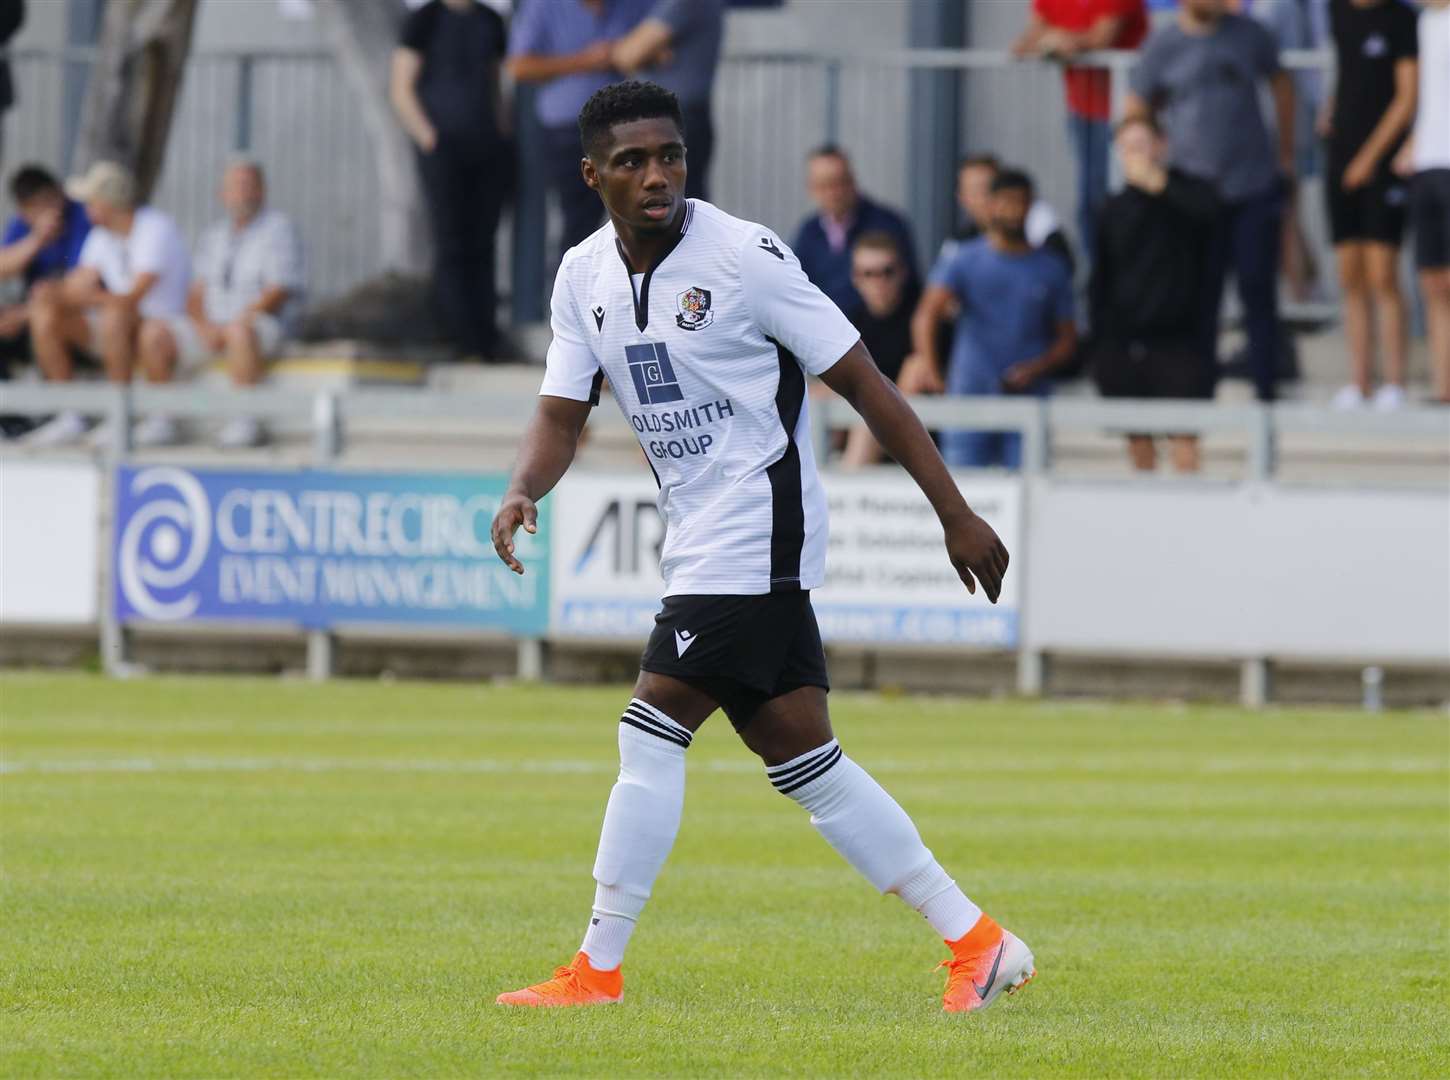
(695, 313)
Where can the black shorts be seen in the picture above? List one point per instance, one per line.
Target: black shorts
(1375, 213)
(1430, 212)
(1162, 369)
(741, 650)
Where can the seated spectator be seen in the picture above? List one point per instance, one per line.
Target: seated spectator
(1014, 329)
(678, 47)
(823, 241)
(247, 293)
(119, 303)
(41, 243)
(888, 299)
(974, 196)
(1151, 243)
(1061, 30)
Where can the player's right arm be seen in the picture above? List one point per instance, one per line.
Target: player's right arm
(572, 378)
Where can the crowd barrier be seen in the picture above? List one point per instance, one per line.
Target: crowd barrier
(1251, 570)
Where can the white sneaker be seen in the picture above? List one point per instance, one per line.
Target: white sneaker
(1348, 399)
(65, 429)
(157, 431)
(1389, 398)
(242, 432)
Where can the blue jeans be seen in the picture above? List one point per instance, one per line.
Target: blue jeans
(1090, 141)
(1246, 241)
(982, 449)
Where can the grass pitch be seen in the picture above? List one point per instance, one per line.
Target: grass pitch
(206, 877)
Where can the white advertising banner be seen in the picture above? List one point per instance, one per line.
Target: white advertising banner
(888, 581)
(49, 543)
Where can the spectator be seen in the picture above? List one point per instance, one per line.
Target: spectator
(678, 47)
(445, 90)
(888, 298)
(568, 46)
(247, 293)
(12, 17)
(1151, 244)
(1200, 75)
(974, 196)
(823, 241)
(1427, 156)
(41, 242)
(1014, 329)
(1060, 30)
(1373, 108)
(120, 302)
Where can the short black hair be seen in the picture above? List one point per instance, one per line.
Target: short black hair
(28, 181)
(829, 149)
(1012, 180)
(979, 161)
(1135, 119)
(622, 103)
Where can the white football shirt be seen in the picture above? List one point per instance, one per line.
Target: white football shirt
(707, 356)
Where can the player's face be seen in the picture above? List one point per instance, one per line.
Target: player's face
(974, 192)
(1009, 211)
(641, 177)
(831, 185)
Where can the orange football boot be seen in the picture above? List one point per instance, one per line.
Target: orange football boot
(985, 961)
(577, 984)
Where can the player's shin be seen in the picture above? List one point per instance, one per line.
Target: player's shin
(640, 824)
(871, 831)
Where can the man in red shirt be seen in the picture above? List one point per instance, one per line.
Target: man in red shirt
(1060, 30)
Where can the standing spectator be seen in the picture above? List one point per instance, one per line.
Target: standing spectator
(1014, 329)
(1427, 155)
(1060, 30)
(1151, 244)
(445, 90)
(41, 243)
(823, 240)
(1374, 106)
(568, 47)
(974, 197)
(12, 17)
(678, 47)
(888, 298)
(247, 294)
(120, 302)
(1200, 77)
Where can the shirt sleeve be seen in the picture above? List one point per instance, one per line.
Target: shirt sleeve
(148, 247)
(1266, 49)
(418, 28)
(679, 15)
(571, 370)
(1406, 43)
(1064, 306)
(788, 308)
(15, 229)
(91, 255)
(284, 263)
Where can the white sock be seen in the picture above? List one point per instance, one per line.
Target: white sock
(640, 824)
(871, 831)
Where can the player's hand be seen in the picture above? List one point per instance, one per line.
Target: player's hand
(974, 548)
(515, 510)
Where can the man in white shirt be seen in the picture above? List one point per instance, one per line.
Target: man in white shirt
(118, 303)
(1426, 155)
(247, 294)
(706, 327)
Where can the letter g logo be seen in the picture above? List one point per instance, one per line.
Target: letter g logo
(164, 542)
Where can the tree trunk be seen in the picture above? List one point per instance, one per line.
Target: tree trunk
(363, 34)
(134, 85)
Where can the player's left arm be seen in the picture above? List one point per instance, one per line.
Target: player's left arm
(972, 545)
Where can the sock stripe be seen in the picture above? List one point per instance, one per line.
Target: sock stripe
(779, 773)
(645, 707)
(801, 781)
(642, 712)
(652, 727)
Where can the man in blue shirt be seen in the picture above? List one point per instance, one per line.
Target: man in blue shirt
(567, 46)
(824, 240)
(1014, 328)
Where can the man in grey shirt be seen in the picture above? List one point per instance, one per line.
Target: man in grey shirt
(1200, 78)
(246, 297)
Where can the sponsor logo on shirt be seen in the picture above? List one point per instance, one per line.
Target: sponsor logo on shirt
(695, 313)
(653, 374)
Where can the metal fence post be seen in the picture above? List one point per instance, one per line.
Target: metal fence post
(326, 446)
(833, 100)
(246, 74)
(531, 659)
(113, 634)
(1031, 661)
(1263, 445)
(1256, 683)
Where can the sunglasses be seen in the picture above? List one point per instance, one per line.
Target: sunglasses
(879, 272)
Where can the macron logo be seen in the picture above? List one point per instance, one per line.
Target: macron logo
(683, 640)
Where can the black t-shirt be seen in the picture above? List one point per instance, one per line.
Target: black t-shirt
(461, 52)
(1369, 43)
(888, 338)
